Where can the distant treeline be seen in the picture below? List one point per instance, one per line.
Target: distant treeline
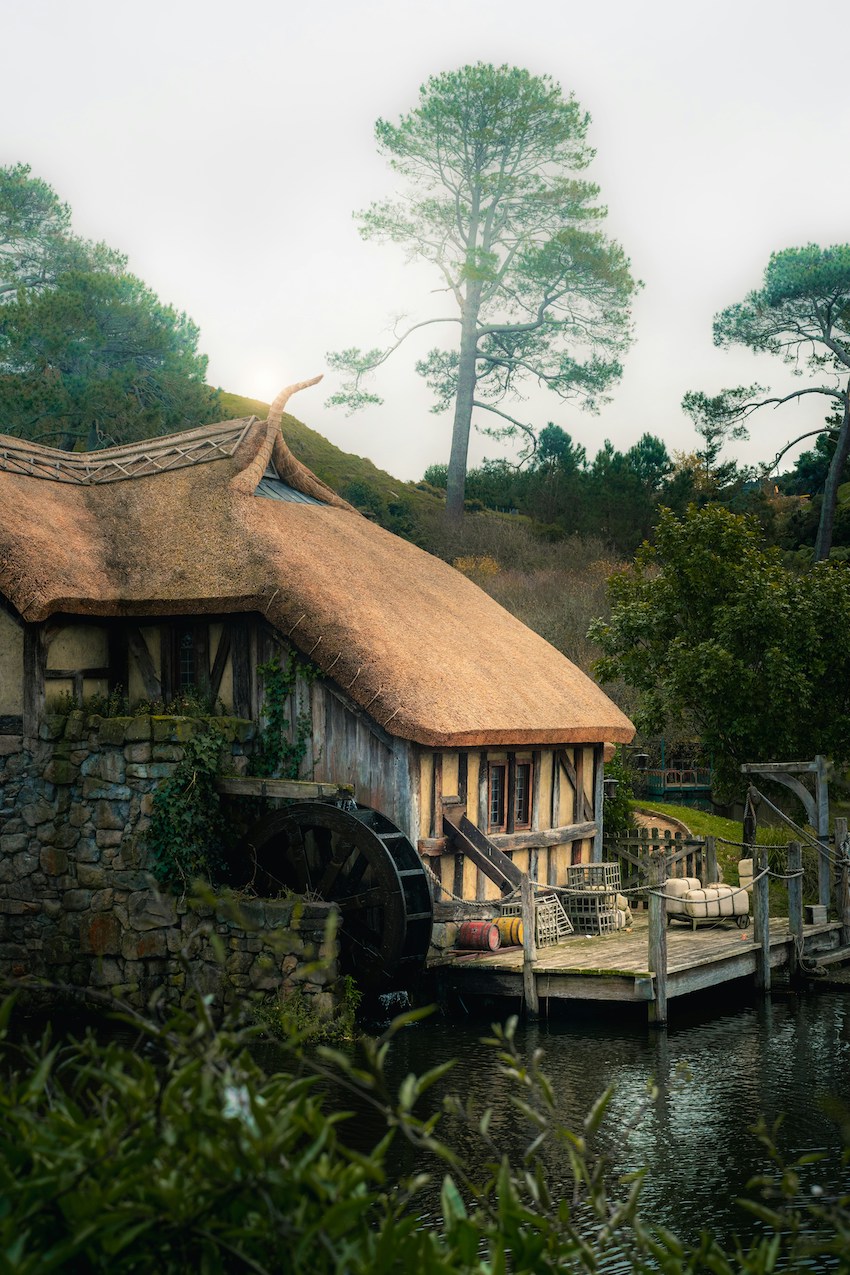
(616, 496)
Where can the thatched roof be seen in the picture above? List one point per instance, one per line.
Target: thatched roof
(176, 526)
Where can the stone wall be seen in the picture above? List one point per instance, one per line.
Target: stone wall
(77, 904)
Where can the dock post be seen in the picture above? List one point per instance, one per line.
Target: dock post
(795, 904)
(761, 918)
(529, 946)
(842, 880)
(711, 861)
(658, 937)
(822, 799)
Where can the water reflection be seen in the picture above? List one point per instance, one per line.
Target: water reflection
(716, 1075)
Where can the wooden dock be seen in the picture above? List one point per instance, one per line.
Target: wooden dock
(614, 967)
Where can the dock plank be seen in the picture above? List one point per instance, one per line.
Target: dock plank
(614, 967)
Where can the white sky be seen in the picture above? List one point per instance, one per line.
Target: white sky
(224, 147)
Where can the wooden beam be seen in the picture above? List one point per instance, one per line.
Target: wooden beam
(470, 841)
(842, 879)
(761, 919)
(69, 674)
(240, 655)
(581, 800)
(437, 795)
(432, 847)
(510, 795)
(658, 939)
(138, 648)
(299, 789)
(795, 903)
(598, 800)
(529, 947)
(549, 837)
(781, 767)
(220, 662)
(35, 662)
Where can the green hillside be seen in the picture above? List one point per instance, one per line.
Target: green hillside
(352, 477)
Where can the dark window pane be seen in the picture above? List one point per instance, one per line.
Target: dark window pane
(496, 811)
(522, 795)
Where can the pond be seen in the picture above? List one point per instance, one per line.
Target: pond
(718, 1069)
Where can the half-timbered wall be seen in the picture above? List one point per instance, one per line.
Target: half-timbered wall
(11, 674)
(560, 826)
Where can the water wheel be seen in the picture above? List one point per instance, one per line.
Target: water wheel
(360, 861)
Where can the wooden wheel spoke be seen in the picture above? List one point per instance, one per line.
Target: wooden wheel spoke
(339, 857)
(363, 938)
(365, 899)
(297, 854)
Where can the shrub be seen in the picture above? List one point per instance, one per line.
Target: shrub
(180, 1155)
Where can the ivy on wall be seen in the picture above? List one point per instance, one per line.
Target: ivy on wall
(186, 836)
(282, 743)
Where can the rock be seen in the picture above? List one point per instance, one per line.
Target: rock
(138, 947)
(60, 771)
(75, 725)
(105, 973)
(91, 876)
(100, 935)
(112, 767)
(76, 900)
(113, 730)
(138, 730)
(14, 844)
(53, 862)
(36, 812)
(149, 910)
(150, 770)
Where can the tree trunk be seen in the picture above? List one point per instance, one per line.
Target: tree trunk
(456, 480)
(823, 543)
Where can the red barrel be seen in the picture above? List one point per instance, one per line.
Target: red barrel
(483, 936)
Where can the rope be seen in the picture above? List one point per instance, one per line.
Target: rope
(804, 833)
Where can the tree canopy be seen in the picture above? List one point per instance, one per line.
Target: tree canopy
(802, 314)
(88, 353)
(714, 632)
(492, 200)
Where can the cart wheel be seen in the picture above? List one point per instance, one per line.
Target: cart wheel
(742, 921)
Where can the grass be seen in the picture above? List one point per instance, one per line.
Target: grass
(335, 467)
(702, 824)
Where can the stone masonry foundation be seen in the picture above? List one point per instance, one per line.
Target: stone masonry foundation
(77, 904)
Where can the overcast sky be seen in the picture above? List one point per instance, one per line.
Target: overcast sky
(224, 147)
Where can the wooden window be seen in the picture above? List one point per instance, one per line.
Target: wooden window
(496, 794)
(185, 658)
(522, 795)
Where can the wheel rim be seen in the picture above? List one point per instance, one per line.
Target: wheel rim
(358, 860)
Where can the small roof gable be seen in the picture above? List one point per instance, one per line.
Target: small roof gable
(198, 523)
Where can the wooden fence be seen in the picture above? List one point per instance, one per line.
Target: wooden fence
(684, 856)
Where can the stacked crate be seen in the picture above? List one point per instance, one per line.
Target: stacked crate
(590, 897)
(551, 923)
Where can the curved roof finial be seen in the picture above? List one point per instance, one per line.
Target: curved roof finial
(276, 410)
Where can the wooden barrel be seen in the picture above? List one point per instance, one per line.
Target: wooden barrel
(483, 936)
(510, 930)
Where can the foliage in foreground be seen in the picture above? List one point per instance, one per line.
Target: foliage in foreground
(179, 1154)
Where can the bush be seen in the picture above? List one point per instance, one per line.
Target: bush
(177, 1154)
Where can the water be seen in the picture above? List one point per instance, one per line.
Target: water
(717, 1073)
